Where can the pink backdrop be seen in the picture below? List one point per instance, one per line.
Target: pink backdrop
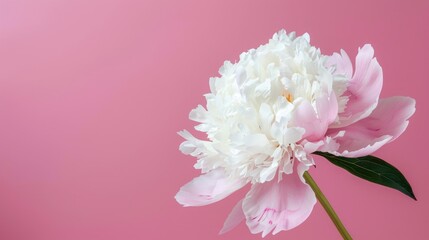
(92, 94)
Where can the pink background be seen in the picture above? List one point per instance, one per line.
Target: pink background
(92, 94)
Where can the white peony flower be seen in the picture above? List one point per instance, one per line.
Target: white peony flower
(264, 117)
(249, 117)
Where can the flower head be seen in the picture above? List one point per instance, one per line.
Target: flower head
(267, 114)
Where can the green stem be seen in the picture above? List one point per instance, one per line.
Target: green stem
(327, 206)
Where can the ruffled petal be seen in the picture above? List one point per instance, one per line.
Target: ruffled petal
(364, 88)
(192, 146)
(385, 124)
(208, 188)
(277, 206)
(342, 63)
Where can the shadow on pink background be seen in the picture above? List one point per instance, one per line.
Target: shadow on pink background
(92, 94)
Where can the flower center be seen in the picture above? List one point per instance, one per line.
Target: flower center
(288, 96)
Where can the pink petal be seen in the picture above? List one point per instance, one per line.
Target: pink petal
(391, 115)
(385, 124)
(278, 205)
(342, 63)
(234, 218)
(316, 121)
(327, 108)
(364, 88)
(208, 188)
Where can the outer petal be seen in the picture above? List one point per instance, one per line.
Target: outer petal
(278, 205)
(234, 218)
(364, 88)
(385, 124)
(208, 188)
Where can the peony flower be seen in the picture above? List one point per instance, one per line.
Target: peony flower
(267, 114)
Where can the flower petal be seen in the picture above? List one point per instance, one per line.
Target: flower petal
(316, 120)
(391, 115)
(385, 124)
(364, 88)
(208, 188)
(342, 63)
(278, 205)
(234, 218)
(192, 146)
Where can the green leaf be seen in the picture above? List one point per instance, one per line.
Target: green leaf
(372, 169)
